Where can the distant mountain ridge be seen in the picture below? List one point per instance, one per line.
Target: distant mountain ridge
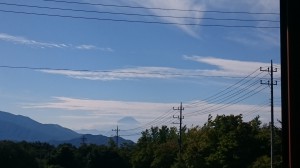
(21, 128)
(92, 139)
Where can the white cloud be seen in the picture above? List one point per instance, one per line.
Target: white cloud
(92, 47)
(227, 64)
(127, 73)
(103, 107)
(255, 37)
(33, 43)
(86, 47)
(151, 7)
(196, 9)
(25, 41)
(177, 4)
(223, 67)
(229, 67)
(265, 6)
(100, 114)
(243, 40)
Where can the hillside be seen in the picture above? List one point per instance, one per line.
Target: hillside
(22, 128)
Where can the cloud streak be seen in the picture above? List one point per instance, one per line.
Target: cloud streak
(252, 37)
(192, 5)
(103, 107)
(222, 68)
(39, 44)
(153, 7)
(227, 66)
(187, 10)
(93, 112)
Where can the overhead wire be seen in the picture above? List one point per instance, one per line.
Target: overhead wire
(229, 103)
(158, 120)
(223, 106)
(137, 21)
(117, 71)
(227, 95)
(137, 14)
(139, 131)
(158, 8)
(255, 109)
(155, 121)
(221, 99)
(163, 119)
(226, 90)
(234, 101)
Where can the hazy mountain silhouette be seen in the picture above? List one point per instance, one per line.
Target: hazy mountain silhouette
(21, 128)
(92, 139)
(128, 120)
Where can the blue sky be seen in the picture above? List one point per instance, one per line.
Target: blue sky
(109, 62)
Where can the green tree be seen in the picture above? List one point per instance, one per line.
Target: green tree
(226, 141)
(157, 148)
(103, 156)
(13, 155)
(64, 156)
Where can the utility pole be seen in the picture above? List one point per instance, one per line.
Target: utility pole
(271, 84)
(83, 140)
(117, 137)
(180, 117)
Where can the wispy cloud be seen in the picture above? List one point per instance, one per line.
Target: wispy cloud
(223, 67)
(153, 7)
(103, 107)
(253, 37)
(92, 47)
(265, 6)
(93, 111)
(25, 41)
(39, 44)
(270, 38)
(229, 67)
(181, 5)
(189, 9)
(125, 74)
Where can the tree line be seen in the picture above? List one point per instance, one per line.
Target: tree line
(223, 142)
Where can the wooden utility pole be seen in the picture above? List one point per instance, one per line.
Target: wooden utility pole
(271, 83)
(117, 135)
(180, 117)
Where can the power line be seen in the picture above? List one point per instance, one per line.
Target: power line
(138, 21)
(217, 99)
(255, 109)
(228, 99)
(225, 95)
(166, 122)
(142, 15)
(220, 106)
(146, 126)
(118, 71)
(216, 107)
(156, 121)
(227, 90)
(165, 9)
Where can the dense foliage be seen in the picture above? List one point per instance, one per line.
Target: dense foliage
(225, 142)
